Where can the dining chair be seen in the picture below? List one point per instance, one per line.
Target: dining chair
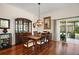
(27, 43)
(48, 38)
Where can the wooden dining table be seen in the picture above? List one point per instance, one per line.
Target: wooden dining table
(35, 39)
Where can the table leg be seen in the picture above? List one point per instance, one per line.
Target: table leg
(35, 47)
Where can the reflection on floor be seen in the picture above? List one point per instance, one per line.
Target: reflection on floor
(54, 48)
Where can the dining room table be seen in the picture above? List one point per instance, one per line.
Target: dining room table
(35, 39)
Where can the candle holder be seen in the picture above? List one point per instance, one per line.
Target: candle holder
(5, 30)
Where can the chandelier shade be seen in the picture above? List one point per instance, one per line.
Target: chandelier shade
(39, 22)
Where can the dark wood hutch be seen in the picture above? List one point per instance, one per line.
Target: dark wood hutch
(22, 26)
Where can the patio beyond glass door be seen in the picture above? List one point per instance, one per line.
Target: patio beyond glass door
(77, 30)
(69, 30)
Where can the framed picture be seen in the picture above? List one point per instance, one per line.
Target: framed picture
(47, 22)
(4, 23)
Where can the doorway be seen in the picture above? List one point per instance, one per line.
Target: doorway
(68, 29)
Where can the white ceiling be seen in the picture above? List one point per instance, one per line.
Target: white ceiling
(44, 7)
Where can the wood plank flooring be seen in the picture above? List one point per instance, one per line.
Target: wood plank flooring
(54, 48)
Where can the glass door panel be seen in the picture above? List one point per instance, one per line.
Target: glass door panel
(77, 29)
(70, 29)
(63, 30)
(30, 26)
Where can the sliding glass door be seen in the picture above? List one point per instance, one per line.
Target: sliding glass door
(77, 29)
(63, 30)
(69, 29)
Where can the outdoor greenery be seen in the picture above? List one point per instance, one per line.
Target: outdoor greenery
(72, 27)
(77, 29)
(72, 35)
(63, 36)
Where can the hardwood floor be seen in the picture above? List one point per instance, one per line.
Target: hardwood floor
(54, 48)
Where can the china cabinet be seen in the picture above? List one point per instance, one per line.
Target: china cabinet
(22, 25)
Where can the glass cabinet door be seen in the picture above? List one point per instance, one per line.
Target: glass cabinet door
(16, 26)
(30, 26)
(20, 26)
(25, 26)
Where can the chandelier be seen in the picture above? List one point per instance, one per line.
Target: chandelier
(39, 21)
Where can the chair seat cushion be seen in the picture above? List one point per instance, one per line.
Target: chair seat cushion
(38, 42)
(29, 44)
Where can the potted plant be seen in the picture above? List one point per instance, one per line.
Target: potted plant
(63, 36)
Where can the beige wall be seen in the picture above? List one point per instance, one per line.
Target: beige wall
(11, 12)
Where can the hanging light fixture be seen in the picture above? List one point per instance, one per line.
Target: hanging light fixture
(39, 21)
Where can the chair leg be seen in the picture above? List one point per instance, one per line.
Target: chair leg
(40, 45)
(27, 44)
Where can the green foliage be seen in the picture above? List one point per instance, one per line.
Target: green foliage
(72, 35)
(77, 29)
(63, 36)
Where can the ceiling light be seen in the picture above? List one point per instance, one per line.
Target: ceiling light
(39, 21)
